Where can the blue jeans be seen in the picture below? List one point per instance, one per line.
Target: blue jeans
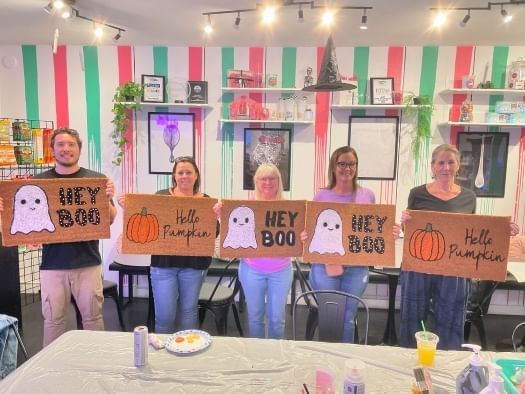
(448, 297)
(265, 292)
(176, 289)
(353, 280)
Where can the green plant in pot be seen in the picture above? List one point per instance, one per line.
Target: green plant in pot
(420, 109)
(125, 100)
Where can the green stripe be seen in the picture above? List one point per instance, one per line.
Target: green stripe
(288, 69)
(427, 85)
(361, 59)
(31, 82)
(92, 82)
(160, 67)
(227, 130)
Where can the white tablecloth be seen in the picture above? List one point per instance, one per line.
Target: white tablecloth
(102, 362)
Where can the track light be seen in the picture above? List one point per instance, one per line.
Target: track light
(465, 20)
(237, 21)
(364, 20)
(505, 15)
(328, 18)
(98, 31)
(117, 36)
(208, 28)
(58, 4)
(66, 12)
(49, 8)
(300, 15)
(268, 15)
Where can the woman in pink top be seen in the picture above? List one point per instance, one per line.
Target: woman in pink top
(266, 281)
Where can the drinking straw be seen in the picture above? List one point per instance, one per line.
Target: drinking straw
(423, 325)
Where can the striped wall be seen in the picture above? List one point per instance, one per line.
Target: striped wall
(75, 88)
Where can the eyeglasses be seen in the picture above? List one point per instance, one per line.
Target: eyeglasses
(343, 165)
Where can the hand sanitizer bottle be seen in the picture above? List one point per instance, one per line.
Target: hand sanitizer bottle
(354, 377)
(475, 376)
(495, 382)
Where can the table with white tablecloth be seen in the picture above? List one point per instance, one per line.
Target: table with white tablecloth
(102, 362)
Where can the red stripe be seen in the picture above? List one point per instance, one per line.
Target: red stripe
(519, 186)
(322, 105)
(395, 66)
(61, 95)
(195, 73)
(463, 66)
(125, 74)
(256, 62)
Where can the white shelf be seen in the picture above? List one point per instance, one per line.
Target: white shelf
(186, 105)
(373, 106)
(515, 92)
(514, 125)
(263, 90)
(265, 121)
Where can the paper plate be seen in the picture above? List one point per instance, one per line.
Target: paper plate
(188, 341)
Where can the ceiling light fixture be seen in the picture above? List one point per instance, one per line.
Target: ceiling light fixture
(58, 4)
(208, 28)
(66, 12)
(364, 21)
(465, 20)
(268, 12)
(49, 8)
(507, 17)
(117, 36)
(237, 21)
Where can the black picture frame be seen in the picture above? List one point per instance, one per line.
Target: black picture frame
(376, 160)
(381, 91)
(266, 145)
(486, 178)
(154, 88)
(163, 144)
(198, 92)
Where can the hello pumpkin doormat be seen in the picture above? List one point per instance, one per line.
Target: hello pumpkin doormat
(261, 228)
(350, 234)
(469, 246)
(54, 210)
(167, 225)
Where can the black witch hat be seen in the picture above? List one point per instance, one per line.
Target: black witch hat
(329, 79)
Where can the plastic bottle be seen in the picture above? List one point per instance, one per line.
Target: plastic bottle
(495, 382)
(354, 382)
(475, 376)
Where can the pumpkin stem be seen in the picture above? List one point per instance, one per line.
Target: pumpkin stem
(428, 227)
(144, 212)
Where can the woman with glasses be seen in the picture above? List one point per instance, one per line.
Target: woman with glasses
(266, 281)
(343, 188)
(177, 280)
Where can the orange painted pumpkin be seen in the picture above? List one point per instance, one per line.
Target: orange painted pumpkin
(142, 227)
(427, 244)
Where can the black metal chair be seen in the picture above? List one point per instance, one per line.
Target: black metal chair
(477, 306)
(331, 306)
(110, 291)
(218, 299)
(521, 343)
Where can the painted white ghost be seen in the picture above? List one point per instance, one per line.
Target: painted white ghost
(328, 234)
(31, 211)
(241, 229)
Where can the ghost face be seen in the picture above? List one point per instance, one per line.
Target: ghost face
(31, 211)
(328, 235)
(241, 229)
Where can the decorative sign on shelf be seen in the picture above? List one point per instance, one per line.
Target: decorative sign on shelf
(198, 92)
(167, 225)
(381, 91)
(469, 246)
(350, 234)
(261, 228)
(54, 210)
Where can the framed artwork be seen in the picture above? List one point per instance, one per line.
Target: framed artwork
(266, 146)
(154, 91)
(198, 92)
(381, 90)
(170, 135)
(376, 160)
(483, 166)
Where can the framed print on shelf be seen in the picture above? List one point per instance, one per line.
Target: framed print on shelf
(170, 135)
(483, 166)
(376, 161)
(381, 90)
(154, 91)
(198, 92)
(266, 146)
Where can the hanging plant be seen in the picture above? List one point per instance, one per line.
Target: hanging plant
(420, 109)
(126, 99)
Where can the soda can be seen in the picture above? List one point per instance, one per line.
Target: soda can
(140, 345)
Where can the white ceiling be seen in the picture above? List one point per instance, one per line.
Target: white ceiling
(180, 22)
